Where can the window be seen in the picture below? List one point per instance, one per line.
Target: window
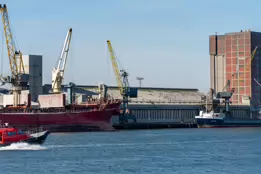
(11, 133)
(20, 133)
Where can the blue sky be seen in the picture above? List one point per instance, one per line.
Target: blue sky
(164, 41)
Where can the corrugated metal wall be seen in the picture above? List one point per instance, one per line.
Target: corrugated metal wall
(176, 113)
(164, 116)
(220, 72)
(33, 66)
(212, 71)
(217, 62)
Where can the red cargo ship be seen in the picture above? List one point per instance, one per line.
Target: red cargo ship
(52, 114)
(73, 118)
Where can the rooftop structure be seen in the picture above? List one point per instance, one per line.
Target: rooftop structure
(156, 95)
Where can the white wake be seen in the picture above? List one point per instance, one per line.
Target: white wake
(23, 146)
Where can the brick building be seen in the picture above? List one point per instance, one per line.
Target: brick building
(230, 59)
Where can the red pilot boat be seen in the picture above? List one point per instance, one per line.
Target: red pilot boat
(10, 135)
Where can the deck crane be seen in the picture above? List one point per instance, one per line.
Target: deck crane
(122, 80)
(58, 71)
(18, 78)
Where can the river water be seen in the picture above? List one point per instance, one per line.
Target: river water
(166, 151)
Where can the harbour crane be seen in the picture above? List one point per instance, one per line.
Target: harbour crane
(249, 63)
(122, 80)
(248, 66)
(58, 71)
(18, 78)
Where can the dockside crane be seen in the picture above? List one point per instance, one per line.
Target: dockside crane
(249, 63)
(58, 71)
(248, 67)
(123, 84)
(18, 78)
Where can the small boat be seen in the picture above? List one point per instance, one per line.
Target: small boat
(210, 119)
(10, 135)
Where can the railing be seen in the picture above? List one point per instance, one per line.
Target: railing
(34, 130)
(3, 125)
(169, 101)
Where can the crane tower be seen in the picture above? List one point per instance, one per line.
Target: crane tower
(18, 78)
(58, 71)
(125, 90)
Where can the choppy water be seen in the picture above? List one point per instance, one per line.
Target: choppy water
(169, 151)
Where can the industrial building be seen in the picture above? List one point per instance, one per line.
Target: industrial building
(33, 65)
(230, 59)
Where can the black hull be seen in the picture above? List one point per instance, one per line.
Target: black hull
(154, 125)
(37, 138)
(222, 123)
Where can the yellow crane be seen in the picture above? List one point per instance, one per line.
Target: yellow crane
(18, 78)
(122, 80)
(116, 70)
(252, 57)
(249, 63)
(248, 66)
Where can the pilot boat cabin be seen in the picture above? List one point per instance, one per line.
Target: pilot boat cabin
(11, 135)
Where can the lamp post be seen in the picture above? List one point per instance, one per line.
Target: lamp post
(140, 79)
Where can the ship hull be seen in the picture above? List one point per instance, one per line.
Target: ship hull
(69, 121)
(227, 123)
